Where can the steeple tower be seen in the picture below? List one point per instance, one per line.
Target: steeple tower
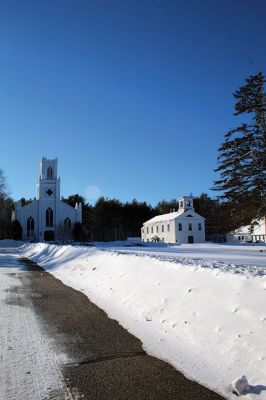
(48, 185)
(186, 203)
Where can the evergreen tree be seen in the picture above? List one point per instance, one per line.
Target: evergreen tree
(134, 215)
(107, 220)
(217, 218)
(242, 158)
(164, 207)
(77, 232)
(87, 220)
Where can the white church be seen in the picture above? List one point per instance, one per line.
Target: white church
(47, 217)
(183, 226)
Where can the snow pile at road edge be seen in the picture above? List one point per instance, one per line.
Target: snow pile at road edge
(207, 323)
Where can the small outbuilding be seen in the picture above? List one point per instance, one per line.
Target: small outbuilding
(182, 226)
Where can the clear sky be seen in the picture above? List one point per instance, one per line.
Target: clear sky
(133, 97)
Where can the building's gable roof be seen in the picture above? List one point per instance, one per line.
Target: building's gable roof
(173, 216)
(243, 230)
(66, 205)
(258, 228)
(164, 217)
(28, 205)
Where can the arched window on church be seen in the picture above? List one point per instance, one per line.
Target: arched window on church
(67, 224)
(67, 228)
(30, 227)
(49, 218)
(50, 173)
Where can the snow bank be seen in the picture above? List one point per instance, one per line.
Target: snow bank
(208, 322)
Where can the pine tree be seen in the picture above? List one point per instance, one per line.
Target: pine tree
(242, 156)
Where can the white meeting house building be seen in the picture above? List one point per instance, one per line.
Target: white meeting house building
(183, 226)
(47, 217)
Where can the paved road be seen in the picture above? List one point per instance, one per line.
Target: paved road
(29, 366)
(70, 348)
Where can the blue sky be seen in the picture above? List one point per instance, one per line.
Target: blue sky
(133, 97)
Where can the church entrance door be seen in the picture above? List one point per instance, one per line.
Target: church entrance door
(190, 239)
(48, 236)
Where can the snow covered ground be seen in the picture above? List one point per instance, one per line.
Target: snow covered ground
(236, 258)
(200, 307)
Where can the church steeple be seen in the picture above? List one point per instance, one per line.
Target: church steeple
(48, 169)
(186, 203)
(48, 185)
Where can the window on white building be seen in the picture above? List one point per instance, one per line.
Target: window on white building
(49, 173)
(190, 227)
(147, 230)
(67, 226)
(49, 218)
(199, 226)
(168, 227)
(152, 229)
(30, 227)
(157, 229)
(162, 228)
(180, 227)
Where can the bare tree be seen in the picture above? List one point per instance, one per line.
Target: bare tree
(6, 206)
(2, 184)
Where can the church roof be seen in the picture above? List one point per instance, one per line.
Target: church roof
(172, 216)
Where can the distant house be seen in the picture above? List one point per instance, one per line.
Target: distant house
(250, 233)
(183, 226)
(241, 234)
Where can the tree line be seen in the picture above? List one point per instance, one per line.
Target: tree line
(110, 219)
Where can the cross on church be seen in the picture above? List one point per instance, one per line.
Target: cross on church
(49, 192)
